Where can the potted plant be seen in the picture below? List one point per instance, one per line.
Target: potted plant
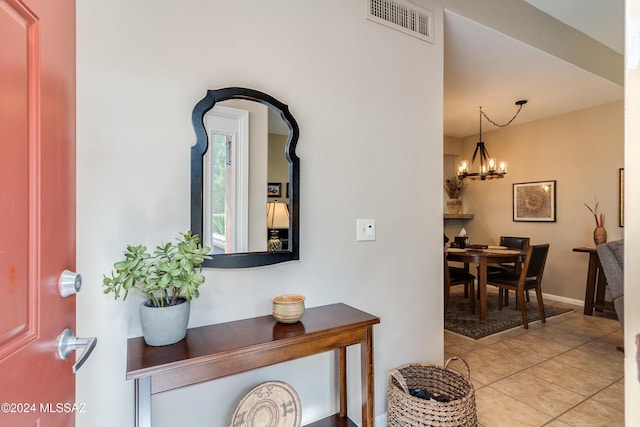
(454, 186)
(168, 279)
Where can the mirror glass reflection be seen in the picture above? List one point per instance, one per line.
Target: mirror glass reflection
(246, 174)
(245, 178)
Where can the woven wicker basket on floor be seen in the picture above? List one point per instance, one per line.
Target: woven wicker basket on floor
(405, 410)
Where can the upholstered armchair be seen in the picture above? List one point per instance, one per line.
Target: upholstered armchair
(611, 256)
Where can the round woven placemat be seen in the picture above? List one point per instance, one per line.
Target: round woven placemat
(270, 404)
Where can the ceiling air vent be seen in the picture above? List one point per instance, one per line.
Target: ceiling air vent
(402, 16)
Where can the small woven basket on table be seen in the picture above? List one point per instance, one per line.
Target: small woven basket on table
(405, 410)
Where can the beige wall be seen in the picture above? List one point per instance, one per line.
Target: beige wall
(368, 101)
(453, 152)
(582, 151)
(453, 146)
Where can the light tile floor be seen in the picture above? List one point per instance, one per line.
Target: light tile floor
(566, 372)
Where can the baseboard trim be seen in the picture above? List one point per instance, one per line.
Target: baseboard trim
(565, 300)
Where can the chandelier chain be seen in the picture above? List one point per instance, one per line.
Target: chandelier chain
(506, 124)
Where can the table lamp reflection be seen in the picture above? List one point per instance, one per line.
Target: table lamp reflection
(277, 219)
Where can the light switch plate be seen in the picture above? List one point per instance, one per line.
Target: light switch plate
(366, 229)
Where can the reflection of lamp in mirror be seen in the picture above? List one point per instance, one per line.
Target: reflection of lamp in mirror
(277, 219)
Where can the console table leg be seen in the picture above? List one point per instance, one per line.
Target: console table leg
(590, 290)
(143, 402)
(342, 362)
(601, 285)
(366, 362)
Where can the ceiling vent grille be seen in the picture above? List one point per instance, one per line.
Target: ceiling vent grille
(402, 16)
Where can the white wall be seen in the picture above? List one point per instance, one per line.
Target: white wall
(632, 212)
(369, 104)
(582, 151)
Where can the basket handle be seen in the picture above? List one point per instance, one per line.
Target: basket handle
(451, 359)
(396, 375)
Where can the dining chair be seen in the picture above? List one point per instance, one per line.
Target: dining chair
(519, 243)
(530, 277)
(458, 276)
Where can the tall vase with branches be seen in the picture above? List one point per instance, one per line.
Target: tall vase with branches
(599, 233)
(454, 187)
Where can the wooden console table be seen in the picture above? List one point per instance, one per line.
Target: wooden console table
(596, 284)
(216, 351)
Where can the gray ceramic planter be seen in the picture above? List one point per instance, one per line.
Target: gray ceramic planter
(164, 325)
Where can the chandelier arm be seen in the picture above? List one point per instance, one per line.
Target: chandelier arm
(475, 153)
(485, 153)
(484, 156)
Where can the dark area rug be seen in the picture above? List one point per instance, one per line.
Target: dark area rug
(459, 319)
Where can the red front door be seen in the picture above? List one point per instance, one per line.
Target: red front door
(37, 209)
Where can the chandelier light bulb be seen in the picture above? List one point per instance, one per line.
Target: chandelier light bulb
(463, 167)
(502, 167)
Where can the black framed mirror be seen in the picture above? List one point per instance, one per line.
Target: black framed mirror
(244, 151)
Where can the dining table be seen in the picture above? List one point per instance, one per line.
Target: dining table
(483, 257)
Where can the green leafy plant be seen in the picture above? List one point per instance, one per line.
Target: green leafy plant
(164, 277)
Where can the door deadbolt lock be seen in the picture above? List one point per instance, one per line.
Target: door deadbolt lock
(69, 283)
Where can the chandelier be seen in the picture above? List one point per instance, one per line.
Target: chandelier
(487, 167)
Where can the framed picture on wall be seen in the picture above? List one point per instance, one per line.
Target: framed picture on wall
(273, 189)
(621, 196)
(534, 201)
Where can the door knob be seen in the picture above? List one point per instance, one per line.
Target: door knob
(68, 342)
(69, 283)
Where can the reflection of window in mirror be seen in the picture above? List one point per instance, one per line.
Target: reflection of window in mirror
(226, 167)
(222, 205)
(247, 143)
